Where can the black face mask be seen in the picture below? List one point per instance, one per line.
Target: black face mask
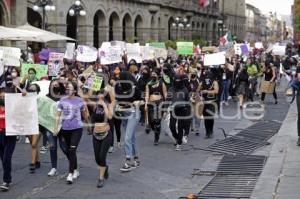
(146, 75)
(153, 78)
(198, 68)
(166, 71)
(56, 90)
(178, 84)
(2, 102)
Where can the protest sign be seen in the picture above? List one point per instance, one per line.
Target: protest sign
(185, 48)
(110, 54)
(161, 45)
(1, 54)
(41, 70)
(147, 52)
(214, 59)
(70, 51)
(119, 43)
(44, 87)
(237, 49)
(11, 56)
(97, 83)
(21, 114)
(172, 53)
(259, 45)
(211, 49)
(245, 49)
(133, 52)
(226, 47)
(279, 50)
(47, 110)
(86, 54)
(161, 53)
(56, 61)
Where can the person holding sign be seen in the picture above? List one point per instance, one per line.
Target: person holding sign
(56, 90)
(28, 79)
(72, 107)
(7, 146)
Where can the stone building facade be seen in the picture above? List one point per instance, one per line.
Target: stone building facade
(234, 12)
(141, 20)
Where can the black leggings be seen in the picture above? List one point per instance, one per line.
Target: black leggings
(263, 95)
(183, 126)
(72, 139)
(101, 148)
(115, 125)
(209, 113)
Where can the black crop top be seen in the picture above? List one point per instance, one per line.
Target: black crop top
(156, 88)
(98, 115)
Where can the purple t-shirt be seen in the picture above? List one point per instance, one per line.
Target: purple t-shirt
(71, 109)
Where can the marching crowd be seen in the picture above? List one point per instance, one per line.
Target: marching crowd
(170, 96)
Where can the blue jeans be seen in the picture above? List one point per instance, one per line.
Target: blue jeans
(7, 147)
(53, 147)
(130, 124)
(225, 91)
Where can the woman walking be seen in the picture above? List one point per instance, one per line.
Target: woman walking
(73, 108)
(269, 82)
(101, 113)
(156, 92)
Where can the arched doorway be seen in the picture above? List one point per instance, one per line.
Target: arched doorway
(126, 27)
(170, 28)
(153, 29)
(34, 18)
(3, 14)
(99, 24)
(71, 26)
(138, 23)
(159, 29)
(114, 24)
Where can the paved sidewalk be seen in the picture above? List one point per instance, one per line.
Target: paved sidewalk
(281, 176)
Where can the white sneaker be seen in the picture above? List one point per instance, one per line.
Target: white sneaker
(178, 147)
(52, 172)
(76, 174)
(119, 145)
(185, 140)
(111, 149)
(70, 178)
(27, 140)
(43, 150)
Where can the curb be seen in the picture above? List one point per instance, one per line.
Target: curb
(266, 186)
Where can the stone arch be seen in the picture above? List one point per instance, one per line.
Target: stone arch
(159, 29)
(138, 27)
(127, 27)
(170, 28)
(76, 28)
(34, 18)
(152, 28)
(114, 26)
(4, 14)
(99, 28)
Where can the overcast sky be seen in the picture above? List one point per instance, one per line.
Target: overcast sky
(279, 6)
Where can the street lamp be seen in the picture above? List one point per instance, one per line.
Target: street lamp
(181, 23)
(46, 6)
(77, 10)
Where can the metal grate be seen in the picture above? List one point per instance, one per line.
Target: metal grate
(244, 164)
(248, 140)
(229, 186)
(235, 146)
